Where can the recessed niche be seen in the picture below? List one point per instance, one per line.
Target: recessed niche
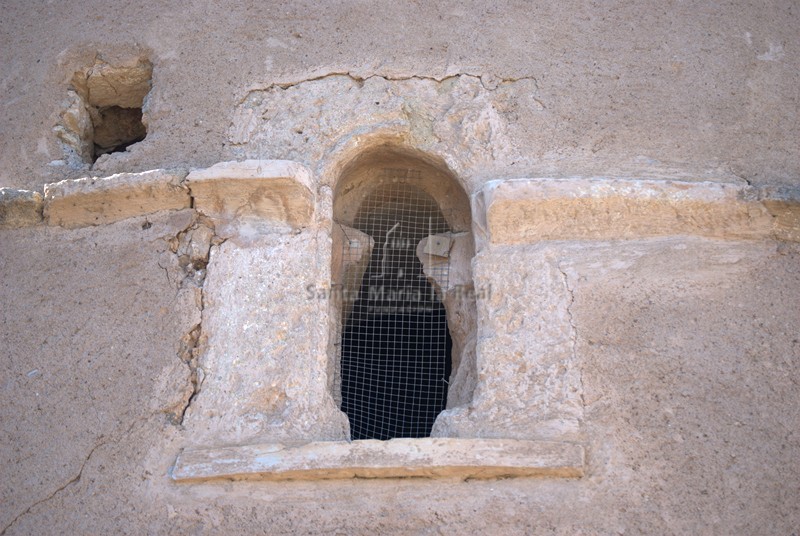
(103, 112)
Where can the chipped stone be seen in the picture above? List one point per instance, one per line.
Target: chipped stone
(102, 200)
(265, 362)
(278, 191)
(528, 383)
(116, 85)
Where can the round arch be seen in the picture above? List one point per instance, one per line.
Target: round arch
(404, 330)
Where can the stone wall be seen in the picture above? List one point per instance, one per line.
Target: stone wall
(632, 172)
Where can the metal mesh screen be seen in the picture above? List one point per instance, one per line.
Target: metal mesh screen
(395, 346)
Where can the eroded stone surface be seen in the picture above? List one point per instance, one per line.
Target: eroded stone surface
(351, 251)
(102, 110)
(690, 357)
(103, 200)
(19, 208)
(784, 206)
(689, 379)
(529, 210)
(75, 130)
(451, 276)
(264, 354)
(424, 457)
(124, 85)
(273, 190)
(528, 379)
(459, 118)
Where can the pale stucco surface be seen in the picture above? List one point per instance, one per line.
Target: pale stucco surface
(689, 382)
(675, 360)
(575, 87)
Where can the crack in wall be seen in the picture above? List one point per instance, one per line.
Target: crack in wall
(573, 329)
(189, 354)
(192, 249)
(489, 82)
(70, 482)
(464, 115)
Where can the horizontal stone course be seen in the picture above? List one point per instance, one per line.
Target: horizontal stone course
(275, 190)
(517, 211)
(98, 201)
(531, 210)
(426, 457)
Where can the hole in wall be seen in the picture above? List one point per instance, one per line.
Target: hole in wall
(104, 110)
(116, 128)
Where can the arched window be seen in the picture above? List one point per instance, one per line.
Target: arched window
(397, 220)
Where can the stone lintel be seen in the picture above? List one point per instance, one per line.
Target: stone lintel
(19, 208)
(280, 191)
(529, 210)
(426, 457)
(98, 201)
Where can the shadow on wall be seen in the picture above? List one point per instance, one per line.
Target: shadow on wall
(104, 110)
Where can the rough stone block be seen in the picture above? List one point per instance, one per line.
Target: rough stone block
(98, 201)
(530, 210)
(106, 85)
(264, 363)
(784, 205)
(276, 190)
(19, 208)
(428, 457)
(528, 378)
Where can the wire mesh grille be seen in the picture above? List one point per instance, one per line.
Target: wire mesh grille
(395, 346)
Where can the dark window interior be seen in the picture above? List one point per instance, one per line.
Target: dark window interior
(395, 348)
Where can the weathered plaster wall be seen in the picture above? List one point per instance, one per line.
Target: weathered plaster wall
(567, 88)
(689, 382)
(674, 359)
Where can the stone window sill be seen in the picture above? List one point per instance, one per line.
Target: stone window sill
(427, 457)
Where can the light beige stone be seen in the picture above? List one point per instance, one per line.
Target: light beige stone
(459, 118)
(528, 381)
(529, 210)
(124, 85)
(427, 457)
(787, 219)
(19, 208)
(264, 358)
(75, 130)
(687, 345)
(103, 200)
(279, 191)
(438, 245)
(451, 276)
(351, 251)
(385, 160)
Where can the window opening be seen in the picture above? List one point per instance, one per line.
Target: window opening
(395, 344)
